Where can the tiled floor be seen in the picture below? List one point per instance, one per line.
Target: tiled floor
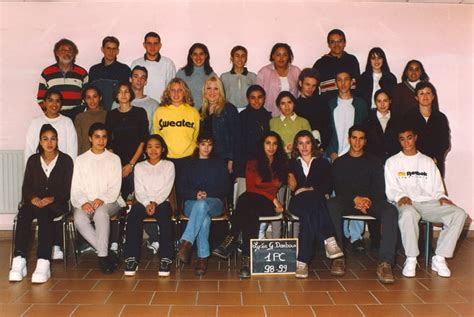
(84, 291)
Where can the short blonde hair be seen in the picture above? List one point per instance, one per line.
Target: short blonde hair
(205, 102)
(166, 98)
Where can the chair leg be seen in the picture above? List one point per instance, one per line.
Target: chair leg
(72, 232)
(427, 244)
(12, 248)
(64, 244)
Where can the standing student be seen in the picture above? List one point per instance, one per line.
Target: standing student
(45, 196)
(196, 71)
(203, 186)
(377, 76)
(154, 180)
(280, 75)
(264, 176)
(95, 190)
(239, 79)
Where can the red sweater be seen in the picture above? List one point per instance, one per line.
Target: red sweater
(256, 185)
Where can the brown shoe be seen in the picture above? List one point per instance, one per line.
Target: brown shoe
(384, 273)
(338, 267)
(184, 253)
(201, 266)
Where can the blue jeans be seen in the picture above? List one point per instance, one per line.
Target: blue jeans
(354, 229)
(197, 229)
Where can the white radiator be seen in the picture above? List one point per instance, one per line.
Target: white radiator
(11, 178)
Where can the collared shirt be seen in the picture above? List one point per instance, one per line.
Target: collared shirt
(383, 119)
(47, 168)
(306, 167)
(292, 117)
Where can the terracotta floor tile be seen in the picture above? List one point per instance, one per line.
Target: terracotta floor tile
(184, 275)
(157, 285)
(77, 285)
(405, 284)
(289, 311)
(384, 310)
(115, 285)
(239, 311)
(354, 297)
(264, 299)
(336, 311)
(145, 311)
(365, 274)
(205, 286)
(221, 275)
(432, 310)
(98, 275)
(397, 297)
(239, 286)
(326, 275)
(13, 310)
(468, 295)
(194, 311)
(39, 310)
(441, 283)
(362, 285)
(86, 297)
(466, 309)
(70, 274)
(145, 275)
(326, 285)
(308, 298)
(9, 296)
(97, 310)
(42, 297)
(440, 297)
(215, 298)
(175, 298)
(130, 297)
(284, 286)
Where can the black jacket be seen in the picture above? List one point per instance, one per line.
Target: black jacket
(379, 143)
(316, 111)
(365, 85)
(319, 176)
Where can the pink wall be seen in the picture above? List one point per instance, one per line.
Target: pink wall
(441, 36)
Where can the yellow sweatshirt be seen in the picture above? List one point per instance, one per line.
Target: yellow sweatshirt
(179, 126)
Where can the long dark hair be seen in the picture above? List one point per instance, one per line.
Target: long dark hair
(204, 136)
(164, 147)
(189, 67)
(315, 151)
(377, 51)
(424, 76)
(45, 128)
(279, 166)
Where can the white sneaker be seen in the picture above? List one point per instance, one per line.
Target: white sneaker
(154, 246)
(114, 247)
(42, 272)
(439, 265)
(18, 270)
(332, 249)
(57, 253)
(301, 270)
(409, 268)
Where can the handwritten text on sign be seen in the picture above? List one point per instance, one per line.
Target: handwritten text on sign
(273, 256)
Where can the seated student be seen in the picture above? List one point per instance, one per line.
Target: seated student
(202, 186)
(360, 190)
(45, 195)
(414, 183)
(312, 107)
(430, 124)
(239, 79)
(254, 123)
(196, 71)
(95, 190)
(310, 181)
(264, 176)
(154, 180)
(92, 97)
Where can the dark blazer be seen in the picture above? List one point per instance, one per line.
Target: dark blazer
(319, 176)
(379, 143)
(316, 111)
(57, 185)
(365, 85)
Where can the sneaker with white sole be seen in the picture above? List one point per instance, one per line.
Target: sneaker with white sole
(57, 253)
(131, 266)
(165, 267)
(301, 270)
(409, 268)
(114, 247)
(42, 272)
(153, 246)
(18, 270)
(439, 265)
(332, 249)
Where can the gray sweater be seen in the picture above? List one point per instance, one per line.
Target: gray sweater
(195, 83)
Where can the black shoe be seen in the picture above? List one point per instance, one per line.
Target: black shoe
(245, 267)
(113, 259)
(165, 265)
(225, 249)
(131, 266)
(358, 246)
(105, 265)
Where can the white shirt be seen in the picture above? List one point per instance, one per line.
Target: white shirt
(159, 75)
(67, 136)
(383, 119)
(306, 167)
(153, 182)
(96, 176)
(47, 168)
(376, 80)
(344, 115)
(284, 83)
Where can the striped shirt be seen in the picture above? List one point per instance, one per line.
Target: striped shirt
(69, 84)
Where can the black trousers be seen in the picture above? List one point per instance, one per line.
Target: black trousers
(250, 206)
(385, 212)
(135, 226)
(315, 222)
(46, 230)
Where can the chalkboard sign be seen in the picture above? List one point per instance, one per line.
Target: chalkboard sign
(273, 256)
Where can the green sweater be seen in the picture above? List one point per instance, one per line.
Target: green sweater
(288, 128)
